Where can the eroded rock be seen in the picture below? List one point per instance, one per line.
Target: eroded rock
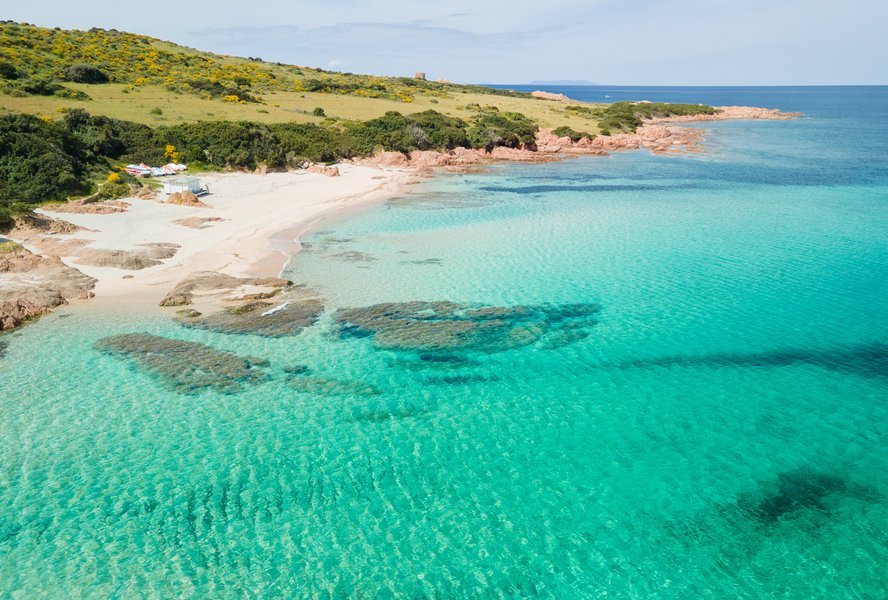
(132, 260)
(185, 367)
(261, 318)
(214, 283)
(89, 208)
(32, 285)
(331, 387)
(185, 198)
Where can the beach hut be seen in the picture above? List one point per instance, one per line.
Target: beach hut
(182, 184)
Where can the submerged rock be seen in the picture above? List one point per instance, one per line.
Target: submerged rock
(867, 360)
(326, 386)
(443, 327)
(185, 367)
(261, 318)
(803, 490)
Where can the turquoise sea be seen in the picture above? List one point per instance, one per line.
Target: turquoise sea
(627, 377)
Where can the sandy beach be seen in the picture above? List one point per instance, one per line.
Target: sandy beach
(250, 227)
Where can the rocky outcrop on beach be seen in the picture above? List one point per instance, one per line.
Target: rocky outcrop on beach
(42, 232)
(95, 208)
(733, 113)
(35, 224)
(32, 285)
(656, 138)
(456, 159)
(550, 96)
(149, 255)
(185, 198)
(224, 287)
(325, 170)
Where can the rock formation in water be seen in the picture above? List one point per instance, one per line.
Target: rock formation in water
(220, 284)
(267, 319)
(185, 367)
(446, 327)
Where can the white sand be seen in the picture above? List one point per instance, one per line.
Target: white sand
(264, 215)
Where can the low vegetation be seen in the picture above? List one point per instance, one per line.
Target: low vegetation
(44, 160)
(628, 116)
(576, 136)
(100, 56)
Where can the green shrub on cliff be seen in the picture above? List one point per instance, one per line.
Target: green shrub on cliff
(628, 116)
(575, 136)
(491, 128)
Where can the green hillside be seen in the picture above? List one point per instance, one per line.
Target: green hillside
(140, 60)
(75, 105)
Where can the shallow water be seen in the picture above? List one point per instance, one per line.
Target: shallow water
(715, 427)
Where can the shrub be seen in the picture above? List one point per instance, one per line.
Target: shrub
(8, 71)
(156, 111)
(41, 87)
(85, 74)
(8, 247)
(575, 136)
(628, 116)
(319, 112)
(6, 221)
(39, 161)
(441, 131)
(491, 128)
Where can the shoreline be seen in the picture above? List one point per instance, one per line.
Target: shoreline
(234, 248)
(249, 228)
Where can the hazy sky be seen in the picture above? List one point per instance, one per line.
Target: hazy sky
(653, 42)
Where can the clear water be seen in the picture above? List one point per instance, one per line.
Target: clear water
(720, 433)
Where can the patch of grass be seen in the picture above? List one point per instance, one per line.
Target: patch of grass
(8, 247)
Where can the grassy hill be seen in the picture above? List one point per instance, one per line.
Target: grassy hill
(154, 82)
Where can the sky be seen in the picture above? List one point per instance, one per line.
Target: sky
(616, 42)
